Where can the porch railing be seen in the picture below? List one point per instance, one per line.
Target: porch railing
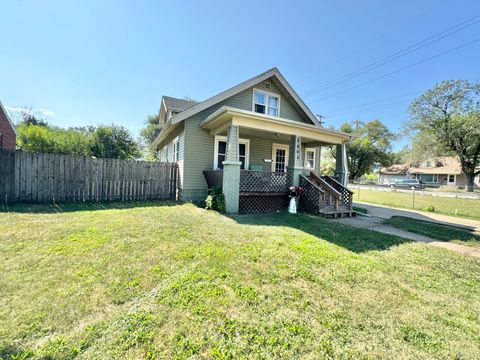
(346, 194)
(253, 181)
(264, 181)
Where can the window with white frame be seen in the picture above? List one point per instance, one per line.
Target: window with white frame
(309, 158)
(165, 153)
(266, 103)
(221, 152)
(176, 149)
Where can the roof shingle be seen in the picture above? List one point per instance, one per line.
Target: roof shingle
(176, 104)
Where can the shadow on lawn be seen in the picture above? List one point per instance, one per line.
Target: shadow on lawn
(82, 206)
(353, 239)
(10, 352)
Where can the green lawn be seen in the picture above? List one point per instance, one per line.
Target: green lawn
(175, 281)
(468, 208)
(436, 231)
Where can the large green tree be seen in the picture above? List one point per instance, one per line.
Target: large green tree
(115, 142)
(149, 133)
(371, 146)
(446, 119)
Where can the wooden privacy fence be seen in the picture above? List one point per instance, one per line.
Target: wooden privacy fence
(37, 177)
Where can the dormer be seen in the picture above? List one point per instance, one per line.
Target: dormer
(171, 106)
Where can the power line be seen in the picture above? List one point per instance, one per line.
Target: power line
(399, 26)
(397, 55)
(388, 105)
(401, 69)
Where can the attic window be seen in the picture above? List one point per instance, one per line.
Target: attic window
(266, 103)
(268, 86)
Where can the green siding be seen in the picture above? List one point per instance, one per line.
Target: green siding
(199, 144)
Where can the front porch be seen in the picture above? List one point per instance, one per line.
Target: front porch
(266, 192)
(285, 153)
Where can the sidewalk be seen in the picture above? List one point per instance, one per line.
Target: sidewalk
(385, 212)
(376, 224)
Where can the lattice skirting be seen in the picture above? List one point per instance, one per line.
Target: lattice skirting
(256, 204)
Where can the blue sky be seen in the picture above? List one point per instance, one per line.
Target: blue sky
(101, 61)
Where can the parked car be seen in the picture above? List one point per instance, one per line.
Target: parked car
(408, 184)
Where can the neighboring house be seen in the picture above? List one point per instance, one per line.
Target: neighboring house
(8, 134)
(441, 171)
(393, 173)
(252, 140)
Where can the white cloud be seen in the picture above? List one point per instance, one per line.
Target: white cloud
(39, 112)
(45, 112)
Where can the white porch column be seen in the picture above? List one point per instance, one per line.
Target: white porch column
(231, 171)
(341, 166)
(295, 166)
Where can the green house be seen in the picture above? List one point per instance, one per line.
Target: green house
(253, 140)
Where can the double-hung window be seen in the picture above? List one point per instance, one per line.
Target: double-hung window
(221, 152)
(176, 149)
(309, 159)
(266, 103)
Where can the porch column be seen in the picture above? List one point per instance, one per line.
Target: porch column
(295, 166)
(231, 171)
(341, 167)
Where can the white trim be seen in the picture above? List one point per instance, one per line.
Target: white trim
(305, 158)
(240, 141)
(267, 94)
(235, 111)
(276, 146)
(243, 86)
(235, 90)
(8, 119)
(176, 149)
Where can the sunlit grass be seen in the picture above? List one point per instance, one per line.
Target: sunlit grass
(436, 231)
(147, 281)
(468, 208)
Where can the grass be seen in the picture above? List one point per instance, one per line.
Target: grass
(176, 281)
(436, 231)
(468, 208)
(360, 210)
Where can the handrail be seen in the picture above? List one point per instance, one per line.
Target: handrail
(339, 183)
(327, 186)
(312, 183)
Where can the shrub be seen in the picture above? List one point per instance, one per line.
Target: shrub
(215, 200)
(430, 208)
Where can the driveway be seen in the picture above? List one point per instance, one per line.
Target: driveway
(377, 214)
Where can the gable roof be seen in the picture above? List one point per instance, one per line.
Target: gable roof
(273, 72)
(7, 116)
(176, 104)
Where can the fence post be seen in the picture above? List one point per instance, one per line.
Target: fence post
(413, 198)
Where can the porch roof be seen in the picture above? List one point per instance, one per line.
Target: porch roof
(219, 121)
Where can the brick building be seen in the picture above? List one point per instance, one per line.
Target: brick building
(8, 133)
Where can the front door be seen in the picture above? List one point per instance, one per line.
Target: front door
(279, 157)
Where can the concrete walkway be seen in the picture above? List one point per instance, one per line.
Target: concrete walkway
(375, 221)
(385, 212)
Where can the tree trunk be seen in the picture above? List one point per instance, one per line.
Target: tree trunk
(470, 182)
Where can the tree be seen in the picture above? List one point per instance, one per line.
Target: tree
(54, 140)
(447, 119)
(115, 142)
(371, 146)
(149, 133)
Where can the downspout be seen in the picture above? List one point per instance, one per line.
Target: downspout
(345, 164)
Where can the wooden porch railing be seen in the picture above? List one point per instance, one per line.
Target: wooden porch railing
(332, 197)
(346, 194)
(264, 182)
(312, 197)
